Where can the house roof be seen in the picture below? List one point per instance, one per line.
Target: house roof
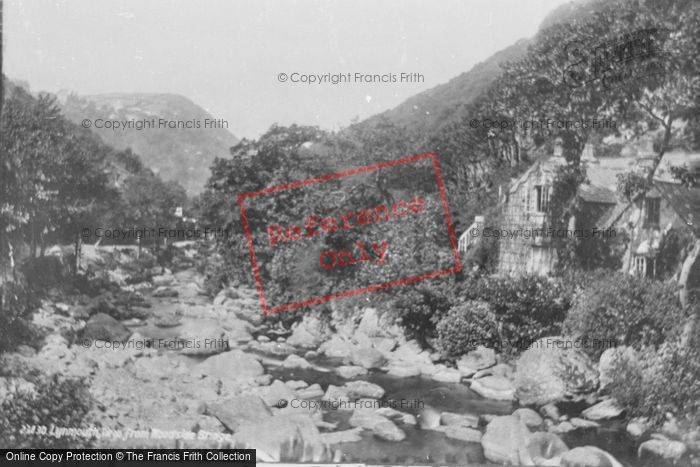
(597, 194)
(675, 158)
(605, 172)
(684, 200)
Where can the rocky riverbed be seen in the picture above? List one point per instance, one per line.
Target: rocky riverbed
(181, 369)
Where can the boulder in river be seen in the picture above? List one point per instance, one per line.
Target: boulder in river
(461, 433)
(402, 369)
(545, 448)
(237, 410)
(368, 358)
(505, 440)
(350, 371)
(476, 360)
(308, 333)
(380, 426)
(552, 371)
(529, 417)
(337, 347)
(605, 410)
(105, 328)
(458, 419)
(232, 366)
(588, 456)
(284, 437)
(662, 450)
(164, 291)
(638, 426)
(295, 361)
(494, 387)
(361, 389)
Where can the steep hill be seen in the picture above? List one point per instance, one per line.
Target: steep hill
(183, 153)
(427, 111)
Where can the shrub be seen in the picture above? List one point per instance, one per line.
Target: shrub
(466, 326)
(17, 304)
(419, 309)
(620, 309)
(56, 401)
(661, 381)
(526, 308)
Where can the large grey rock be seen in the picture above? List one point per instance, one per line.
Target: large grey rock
(478, 359)
(202, 337)
(348, 436)
(295, 361)
(665, 450)
(603, 410)
(368, 358)
(105, 328)
(276, 394)
(402, 369)
(545, 448)
(505, 440)
(529, 417)
(588, 456)
(283, 438)
(458, 419)
(461, 433)
(241, 409)
(350, 371)
(337, 347)
(638, 426)
(447, 375)
(380, 426)
(549, 371)
(311, 392)
(231, 367)
(308, 333)
(361, 389)
(494, 387)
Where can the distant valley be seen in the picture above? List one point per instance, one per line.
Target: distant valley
(182, 154)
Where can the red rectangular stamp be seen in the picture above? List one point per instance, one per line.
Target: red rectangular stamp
(346, 234)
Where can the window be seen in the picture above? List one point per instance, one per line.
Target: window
(542, 198)
(644, 267)
(653, 206)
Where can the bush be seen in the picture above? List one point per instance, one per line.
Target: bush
(620, 309)
(17, 304)
(526, 308)
(57, 401)
(466, 326)
(419, 309)
(660, 382)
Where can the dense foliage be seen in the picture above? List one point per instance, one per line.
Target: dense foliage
(626, 310)
(56, 401)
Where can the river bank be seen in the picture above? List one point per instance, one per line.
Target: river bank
(190, 371)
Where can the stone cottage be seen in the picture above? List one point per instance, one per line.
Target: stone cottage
(658, 230)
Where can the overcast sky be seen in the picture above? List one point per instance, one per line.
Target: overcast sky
(227, 55)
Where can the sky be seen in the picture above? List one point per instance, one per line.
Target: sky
(228, 55)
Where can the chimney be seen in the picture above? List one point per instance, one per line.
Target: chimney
(558, 147)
